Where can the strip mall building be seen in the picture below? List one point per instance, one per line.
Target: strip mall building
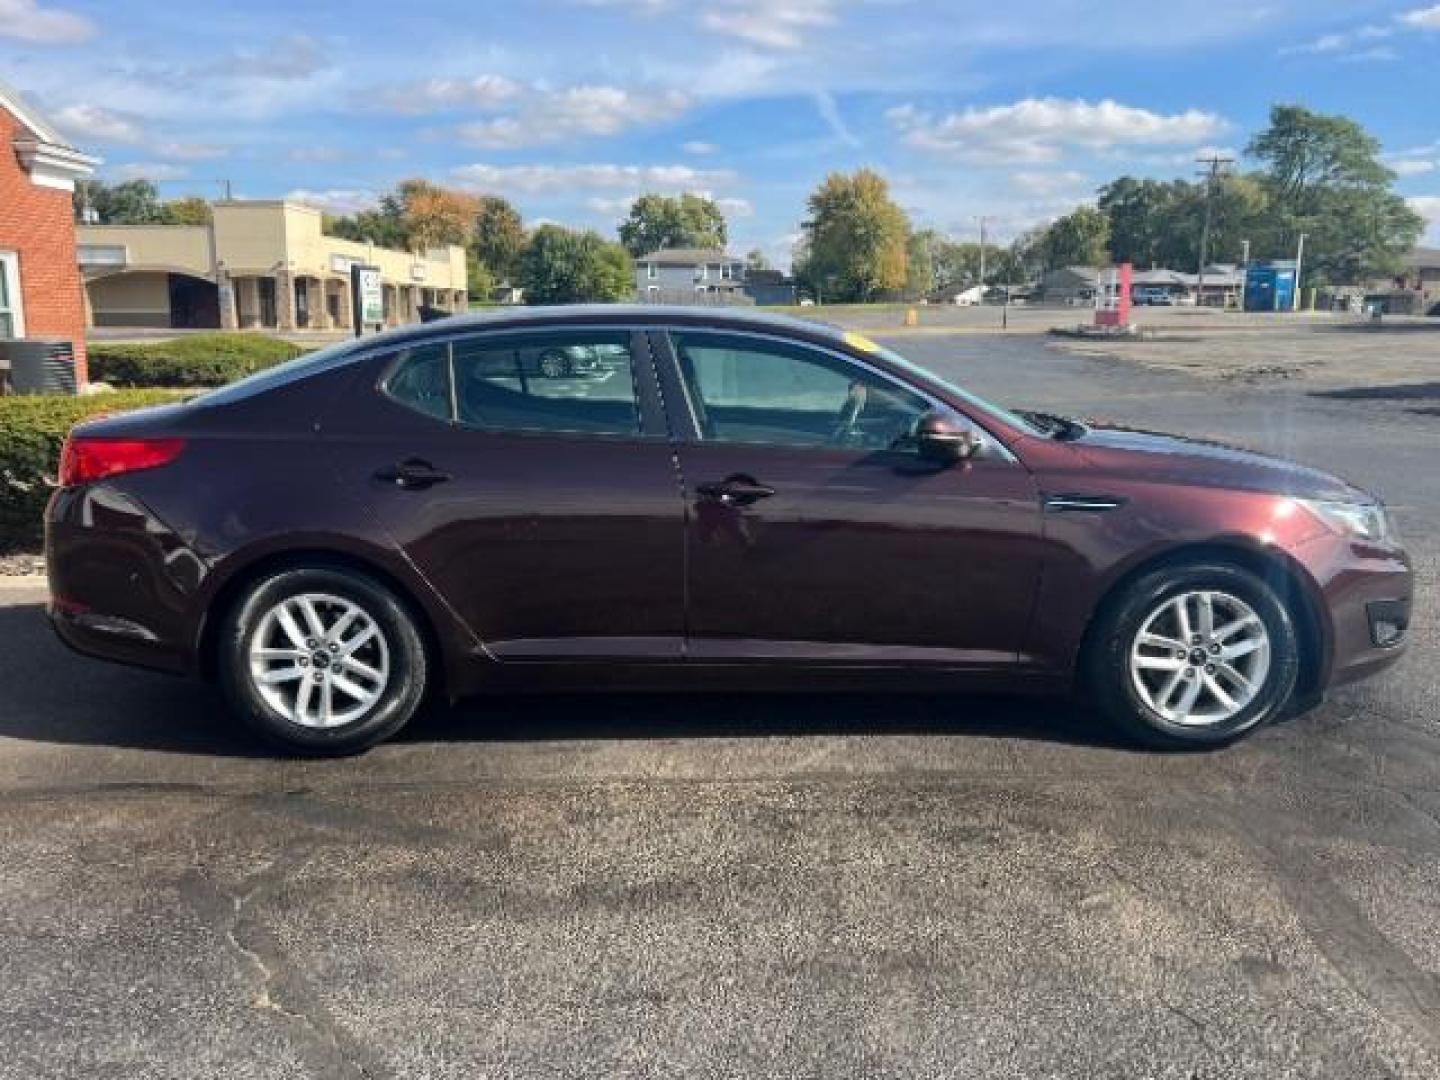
(258, 265)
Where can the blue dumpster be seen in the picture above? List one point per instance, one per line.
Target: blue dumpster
(1270, 286)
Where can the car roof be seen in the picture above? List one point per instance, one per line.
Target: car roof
(515, 318)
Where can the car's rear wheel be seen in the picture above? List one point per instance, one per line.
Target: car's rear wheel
(1195, 655)
(322, 660)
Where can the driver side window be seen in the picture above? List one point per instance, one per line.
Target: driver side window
(745, 390)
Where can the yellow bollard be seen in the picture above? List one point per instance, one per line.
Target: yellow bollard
(912, 317)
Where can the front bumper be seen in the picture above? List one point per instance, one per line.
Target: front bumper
(1367, 593)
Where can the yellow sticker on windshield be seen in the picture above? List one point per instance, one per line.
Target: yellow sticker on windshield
(861, 342)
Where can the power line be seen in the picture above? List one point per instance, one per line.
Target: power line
(1212, 180)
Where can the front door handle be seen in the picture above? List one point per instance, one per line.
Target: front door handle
(412, 474)
(737, 490)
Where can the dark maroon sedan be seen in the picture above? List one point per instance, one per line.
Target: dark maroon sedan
(718, 499)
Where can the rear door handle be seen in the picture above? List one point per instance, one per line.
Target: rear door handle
(738, 490)
(412, 474)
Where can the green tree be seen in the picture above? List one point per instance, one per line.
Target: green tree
(134, 202)
(663, 221)
(383, 226)
(191, 210)
(499, 236)
(756, 259)
(480, 282)
(855, 239)
(1077, 239)
(1323, 177)
(562, 266)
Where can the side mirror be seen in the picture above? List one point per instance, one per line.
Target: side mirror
(944, 437)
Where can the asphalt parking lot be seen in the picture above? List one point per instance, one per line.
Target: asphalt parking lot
(734, 885)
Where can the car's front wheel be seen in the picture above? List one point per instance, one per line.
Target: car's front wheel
(1194, 656)
(322, 660)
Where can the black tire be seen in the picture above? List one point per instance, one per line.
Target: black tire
(1107, 661)
(400, 697)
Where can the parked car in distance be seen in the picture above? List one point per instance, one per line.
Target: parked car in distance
(741, 501)
(1153, 296)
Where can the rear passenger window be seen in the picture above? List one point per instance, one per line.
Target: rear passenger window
(564, 383)
(580, 382)
(421, 380)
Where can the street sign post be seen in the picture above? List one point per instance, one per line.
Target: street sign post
(367, 300)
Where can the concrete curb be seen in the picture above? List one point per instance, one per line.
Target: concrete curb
(23, 581)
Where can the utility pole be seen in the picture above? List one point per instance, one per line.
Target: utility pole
(1212, 178)
(1299, 265)
(982, 259)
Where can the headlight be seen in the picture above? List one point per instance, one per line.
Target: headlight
(1359, 521)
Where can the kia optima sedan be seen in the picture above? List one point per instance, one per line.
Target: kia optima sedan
(719, 499)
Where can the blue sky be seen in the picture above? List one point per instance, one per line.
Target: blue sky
(1015, 111)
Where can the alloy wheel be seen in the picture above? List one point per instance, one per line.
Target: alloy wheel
(1200, 658)
(319, 660)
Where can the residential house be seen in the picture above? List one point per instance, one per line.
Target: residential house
(690, 276)
(40, 290)
(769, 288)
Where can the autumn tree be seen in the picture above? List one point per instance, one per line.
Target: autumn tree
(854, 239)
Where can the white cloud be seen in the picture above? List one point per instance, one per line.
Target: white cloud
(549, 179)
(26, 20)
(157, 171)
(186, 151)
(319, 153)
(573, 113)
(335, 200)
(92, 122)
(698, 148)
(1428, 207)
(1423, 18)
(1049, 183)
(736, 207)
(1413, 167)
(770, 24)
(432, 95)
(291, 59)
(1037, 130)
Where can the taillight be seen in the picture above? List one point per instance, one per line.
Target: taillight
(86, 459)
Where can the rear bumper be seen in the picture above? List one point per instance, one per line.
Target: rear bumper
(122, 584)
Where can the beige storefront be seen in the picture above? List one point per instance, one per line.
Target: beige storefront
(260, 264)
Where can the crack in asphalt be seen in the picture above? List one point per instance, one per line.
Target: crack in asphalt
(1375, 968)
(329, 1051)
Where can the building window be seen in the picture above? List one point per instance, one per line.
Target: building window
(12, 317)
(652, 271)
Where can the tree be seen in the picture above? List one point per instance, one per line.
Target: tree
(383, 227)
(920, 276)
(480, 282)
(191, 210)
(1323, 177)
(562, 266)
(662, 221)
(434, 216)
(1077, 239)
(499, 236)
(855, 239)
(134, 202)
(756, 259)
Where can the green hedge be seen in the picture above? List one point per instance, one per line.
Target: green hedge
(32, 430)
(196, 360)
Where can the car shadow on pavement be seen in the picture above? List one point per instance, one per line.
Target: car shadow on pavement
(50, 695)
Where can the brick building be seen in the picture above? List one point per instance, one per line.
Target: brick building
(40, 290)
